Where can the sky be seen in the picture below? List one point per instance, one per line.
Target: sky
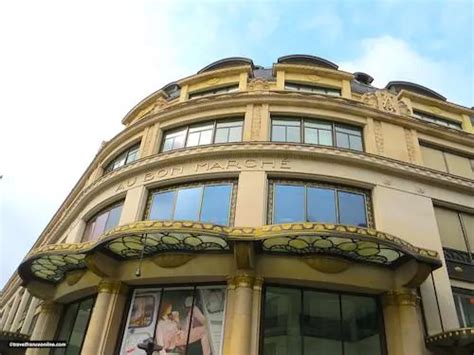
(71, 70)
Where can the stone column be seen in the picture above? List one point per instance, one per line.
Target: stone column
(104, 325)
(12, 312)
(45, 328)
(21, 310)
(29, 315)
(403, 326)
(256, 310)
(241, 322)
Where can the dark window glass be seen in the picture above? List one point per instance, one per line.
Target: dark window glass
(162, 205)
(188, 203)
(464, 300)
(74, 326)
(103, 221)
(289, 204)
(352, 209)
(126, 157)
(361, 332)
(281, 323)
(321, 205)
(216, 204)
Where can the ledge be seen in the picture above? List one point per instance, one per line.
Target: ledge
(462, 338)
(51, 262)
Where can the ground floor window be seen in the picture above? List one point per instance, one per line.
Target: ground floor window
(180, 320)
(73, 326)
(303, 321)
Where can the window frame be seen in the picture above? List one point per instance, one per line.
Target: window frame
(224, 89)
(444, 151)
(301, 288)
(214, 122)
(438, 120)
(297, 86)
(366, 194)
(125, 151)
(302, 120)
(232, 203)
(457, 291)
(94, 216)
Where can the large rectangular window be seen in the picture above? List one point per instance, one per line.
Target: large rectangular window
(73, 326)
(313, 131)
(209, 203)
(214, 91)
(101, 222)
(464, 300)
(436, 158)
(303, 321)
(436, 119)
(292, 86)
(179, 320)
(214, 132)
(307, 202)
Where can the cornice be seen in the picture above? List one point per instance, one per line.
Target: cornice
(448, 106)
(310, 69)
(219, 73)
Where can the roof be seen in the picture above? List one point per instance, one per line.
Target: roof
(409, 86)
(308, 60)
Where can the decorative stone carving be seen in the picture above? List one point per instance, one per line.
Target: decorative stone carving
(241, 280)
(256, 122)
(111, 286)
(410, 145)
(385, 101)
(258, 84)
(379, 144)
(401, 298)
(312, 77)
(159, 104)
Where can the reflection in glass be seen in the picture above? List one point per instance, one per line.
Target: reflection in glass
(228, 132)
(352, 209)
(281, 323)
(188, 204)
(174, 140)
(162, 206)
(321, 205)
(289, 204)
(142, 311)
(216, 204)
(464, 300)
(360, 327)
(286, 131)
(102, 222)
(114, 217)
(321, 323)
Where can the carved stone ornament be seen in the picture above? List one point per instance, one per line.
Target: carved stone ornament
(172, 260)
(258, 84)
(111, 286)
(241, 280)
(405, 297)
(385, 101)
(159, 104)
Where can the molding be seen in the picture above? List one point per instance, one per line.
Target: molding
(172, 260)
(112, 287)
(327, 264)
(242, 280)
(401, 298)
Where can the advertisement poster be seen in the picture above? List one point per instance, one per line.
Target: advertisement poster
(179, 320)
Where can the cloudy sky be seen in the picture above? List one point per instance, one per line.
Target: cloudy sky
(71, 70)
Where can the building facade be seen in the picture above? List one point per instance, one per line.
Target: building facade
(246, 210)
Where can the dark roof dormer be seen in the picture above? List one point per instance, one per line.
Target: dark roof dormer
(397, 86)
(305, 59)
(363, 78)
(227, 62)
(172, 90)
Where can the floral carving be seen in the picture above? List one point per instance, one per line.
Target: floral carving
(378, 137)
(258, 84)
(385, 101)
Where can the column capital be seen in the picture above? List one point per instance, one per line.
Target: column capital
(112, 287)
(401, 298)
(244, 280)
(47, 307)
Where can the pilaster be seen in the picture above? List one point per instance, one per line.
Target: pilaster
(29, 315)
(46, 325)
(21, 310)
(11, 315)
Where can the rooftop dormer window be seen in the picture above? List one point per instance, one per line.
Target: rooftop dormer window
(312, 89)
(214, 91)
(436, 119)
(124, 158)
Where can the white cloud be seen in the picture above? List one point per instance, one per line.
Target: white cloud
(387, 59)
(327, 22)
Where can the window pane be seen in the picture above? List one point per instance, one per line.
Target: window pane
(80, 326)
(355, 142)
(352, 209)
(342, 140)
(293, 134)
(88, 232)
(278, 134)
(229, 124)
(120, 160)
(281, 323)
(188, 203)
(162, 206)
(347, 129)
(311, 135)
(321, 205)
(114, 217)
(193, 139)
(222, 135)
(325, 137)
(321, 323)
(100, 223)
(66, 325)
(433, 158)
(235, 134)
(360, 325)
(318, 124)
(288, 204)
(216, 204)
(294, 123)
(465, 308)
(468, 222)
(133, 154)
(206, 137)
(450, 230)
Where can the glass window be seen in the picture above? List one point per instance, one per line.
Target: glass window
(312, 88)
(126, 157)
(445, 161)
(182, 320)
(306, 322)
(103, 221)
(456, 229)
(228, 132)
(352, 209)
(310, 203)
(289, 204)
(74, 326)
(215, 91)
(464, 300)
(438, 120)
(174, 140)
(206, 203)
(286, 130)
(348, 137)
(200, 135)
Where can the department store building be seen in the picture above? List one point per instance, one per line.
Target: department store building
(290, 210)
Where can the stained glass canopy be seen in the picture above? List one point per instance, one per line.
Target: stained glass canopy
(148, 238)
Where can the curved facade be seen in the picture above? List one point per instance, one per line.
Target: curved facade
(245, 210)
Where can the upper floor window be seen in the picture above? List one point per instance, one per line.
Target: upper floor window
(312, 88)
(101, 222)
(215, 91)
(464, 300)
(124, 158)
(435, 119)
(300, 202)
(222, 131)
(210, 203)
(456, 229)
(311, 131)
(446, 161)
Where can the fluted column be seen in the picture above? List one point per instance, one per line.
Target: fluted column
(12, 312)
(21, 310)
(45, 327)
(29, 315)
(403, 326)
(104, 324)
